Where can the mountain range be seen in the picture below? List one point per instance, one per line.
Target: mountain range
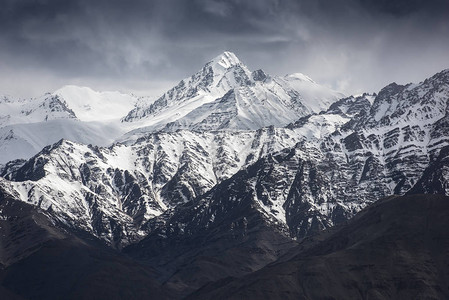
(223, 95)
(224, 174)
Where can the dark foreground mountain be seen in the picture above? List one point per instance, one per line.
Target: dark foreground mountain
(398, 248)
(43, 260)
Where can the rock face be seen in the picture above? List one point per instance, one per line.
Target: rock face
(397, 248)
(111, 192)
(209, 168)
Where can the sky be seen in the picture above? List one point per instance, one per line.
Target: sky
(146, 47)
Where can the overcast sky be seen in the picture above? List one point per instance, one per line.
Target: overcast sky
(147, 46)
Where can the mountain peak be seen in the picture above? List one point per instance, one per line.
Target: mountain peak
(196, 102)
(226, 60)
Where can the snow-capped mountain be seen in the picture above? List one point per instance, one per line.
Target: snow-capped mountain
(69, 102)
(225, 95)
(310, 175)
(45, 108)
(90, 186)
(75, 113)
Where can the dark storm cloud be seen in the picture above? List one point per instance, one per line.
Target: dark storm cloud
(353, 44)
(405, 7)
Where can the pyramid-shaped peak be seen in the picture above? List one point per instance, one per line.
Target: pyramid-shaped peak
(226, 60)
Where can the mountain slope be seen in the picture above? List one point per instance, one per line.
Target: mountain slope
(212, 238)
(22, 141)
(396, 248)
(41, 259)
(90, 187)
(75, 113)
(47, 107)
(89, 105)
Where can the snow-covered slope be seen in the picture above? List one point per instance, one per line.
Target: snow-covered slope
(225, 95)
(69, 102)
(90, 187)
(75, 113)
(313, 96)
(215, 79)
(21, 141)
(44, 108)
(89, 105)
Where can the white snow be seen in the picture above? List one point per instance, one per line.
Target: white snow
(278, 101)
(75, 113)
(313, 96)
(320, 126)
(225, 60)
(90, 105)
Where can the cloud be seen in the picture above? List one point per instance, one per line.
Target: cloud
(218, 8)
(356, 45)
